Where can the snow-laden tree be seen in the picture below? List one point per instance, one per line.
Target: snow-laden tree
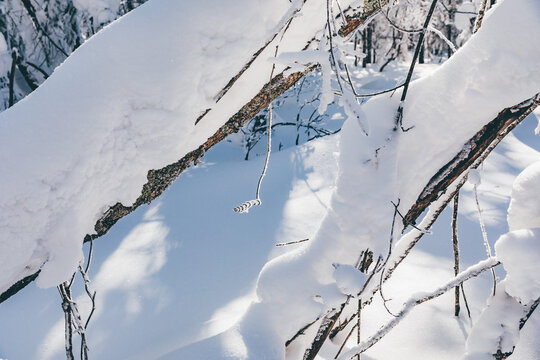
(157, 115)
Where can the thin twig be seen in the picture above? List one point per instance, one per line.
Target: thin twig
(292, 242)
(456, 251)
(399, 114)
(244, 208)
(484, 235)
(394, 25)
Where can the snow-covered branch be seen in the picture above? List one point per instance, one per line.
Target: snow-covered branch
(469, 273)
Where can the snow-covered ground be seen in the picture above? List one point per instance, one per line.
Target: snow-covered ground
(181, 278)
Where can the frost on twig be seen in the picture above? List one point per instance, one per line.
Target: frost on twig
(475, 179)
(72, 318)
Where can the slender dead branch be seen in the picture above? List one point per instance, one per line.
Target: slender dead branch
(355, 326)
(325, 328)
(394, 25)
(358, 325)
(43, 72)
(367, 14)
(65, 293)
(284, 25)
(456, 251)
(445, 184)
(301, 332)
(292, 242)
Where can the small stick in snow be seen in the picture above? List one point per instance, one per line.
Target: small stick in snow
(358, 325)
(355, 326)
(456, 250)
(292, 242)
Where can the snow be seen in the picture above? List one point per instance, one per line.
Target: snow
(349, 279)
(497, 327)
(474, 177)
(220, 277)
(524, 211)
(207, 301)
(518, 251)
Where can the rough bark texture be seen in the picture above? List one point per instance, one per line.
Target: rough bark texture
(15, 288)
(472, 150)
(354, 21)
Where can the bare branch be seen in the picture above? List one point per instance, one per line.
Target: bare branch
(292, 242)
(456, 251)
(484, 234)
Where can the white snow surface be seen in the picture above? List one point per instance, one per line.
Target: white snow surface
(124, 103)
(498, 326)
(519, 251)
(524, 210)
(474, 177)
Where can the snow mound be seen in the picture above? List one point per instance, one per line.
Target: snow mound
(474, 177)
(519, 252)
(497, 327)
(524, 212)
